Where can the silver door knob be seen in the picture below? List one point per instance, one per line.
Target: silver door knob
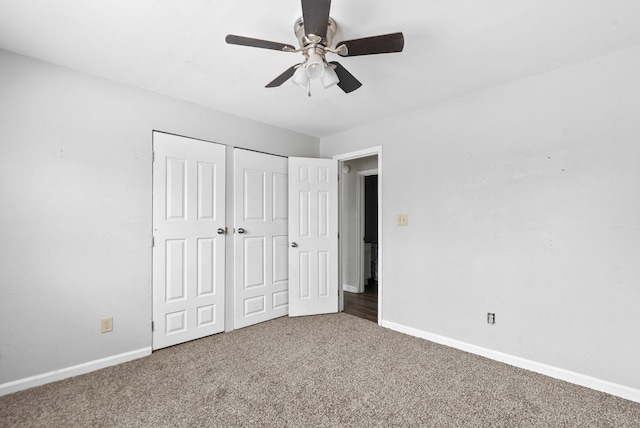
(294, 244)
(220, 231)
(241, 230)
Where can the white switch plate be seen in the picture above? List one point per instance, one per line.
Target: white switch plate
(403, 219)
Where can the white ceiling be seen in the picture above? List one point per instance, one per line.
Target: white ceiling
(452, 48)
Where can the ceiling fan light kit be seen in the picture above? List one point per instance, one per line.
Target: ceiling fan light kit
(314, 66)
(315, 31)
(300, 77)
(329, 78)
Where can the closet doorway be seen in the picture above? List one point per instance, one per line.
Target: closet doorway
(280, 241)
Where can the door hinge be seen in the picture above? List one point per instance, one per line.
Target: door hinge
(153, 241)
(153, 326)
(153, 156)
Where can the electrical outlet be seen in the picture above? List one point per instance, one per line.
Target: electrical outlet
(403, 219)
(491, 318)
(106, 325)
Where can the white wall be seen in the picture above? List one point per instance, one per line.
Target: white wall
(351, 236)
(75, 185)
(523, 200)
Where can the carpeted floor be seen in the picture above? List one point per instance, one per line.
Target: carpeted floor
(321, 371)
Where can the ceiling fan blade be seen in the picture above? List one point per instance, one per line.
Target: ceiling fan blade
(283, 77)
(315, 16)
(257, 43)
(386, 43)
(347, 82)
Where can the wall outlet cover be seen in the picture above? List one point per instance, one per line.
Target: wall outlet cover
(403, 219)
(491, 318)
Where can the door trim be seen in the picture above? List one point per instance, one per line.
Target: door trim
(341, 158)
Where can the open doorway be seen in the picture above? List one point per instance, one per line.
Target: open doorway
(360, 244)
(369, 220)
(363, 303)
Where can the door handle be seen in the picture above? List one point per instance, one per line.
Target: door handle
(220, 231)
(241, 230)
(294, 244)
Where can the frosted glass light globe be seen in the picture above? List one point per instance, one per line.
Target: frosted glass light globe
(314, 66)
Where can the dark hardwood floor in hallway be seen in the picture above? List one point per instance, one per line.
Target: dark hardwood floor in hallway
(362, 305)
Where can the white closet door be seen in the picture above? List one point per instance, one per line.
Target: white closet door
(188, 229)
(313, 236)
(260, 239)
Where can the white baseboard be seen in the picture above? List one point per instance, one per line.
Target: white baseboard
(618, 390)
(350, 288)
(41, 379)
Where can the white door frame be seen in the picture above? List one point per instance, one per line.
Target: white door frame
(372, 151)
(360, 224)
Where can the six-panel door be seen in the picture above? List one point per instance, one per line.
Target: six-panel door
(189, 239)
(261, 278)
(313, 236)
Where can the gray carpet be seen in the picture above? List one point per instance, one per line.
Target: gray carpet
(321, 371)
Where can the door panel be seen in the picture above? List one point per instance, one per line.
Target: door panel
(188, 253)
(313, 233)
(261, 254)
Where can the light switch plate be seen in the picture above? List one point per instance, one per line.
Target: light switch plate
(403, 219)
(106, 325)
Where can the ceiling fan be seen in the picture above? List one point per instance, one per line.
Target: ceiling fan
(315, 31)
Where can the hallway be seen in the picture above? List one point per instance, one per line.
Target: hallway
(363, 305)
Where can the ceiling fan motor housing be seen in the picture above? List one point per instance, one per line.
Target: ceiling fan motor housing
(313, 39)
